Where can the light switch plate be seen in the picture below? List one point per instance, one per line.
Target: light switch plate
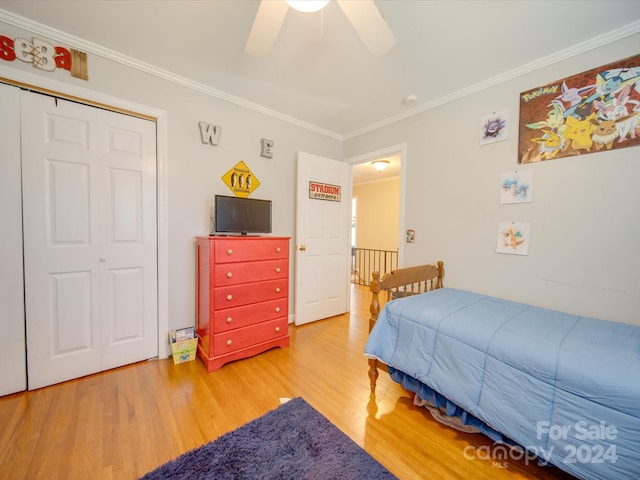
(267, 148)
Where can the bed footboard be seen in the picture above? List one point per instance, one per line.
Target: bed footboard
(399, 283)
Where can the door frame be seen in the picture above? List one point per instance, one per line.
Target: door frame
(399, 149)
(25, 79)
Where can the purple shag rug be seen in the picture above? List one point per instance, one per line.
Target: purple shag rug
(294, 441)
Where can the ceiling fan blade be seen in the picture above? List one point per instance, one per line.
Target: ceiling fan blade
(370, 25)
(266, 27)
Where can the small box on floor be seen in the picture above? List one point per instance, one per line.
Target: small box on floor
(184, 344)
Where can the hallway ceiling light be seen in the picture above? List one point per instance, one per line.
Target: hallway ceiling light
(380, 165)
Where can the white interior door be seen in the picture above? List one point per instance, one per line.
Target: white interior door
(89, 203)
(13, 370)
(322, 238)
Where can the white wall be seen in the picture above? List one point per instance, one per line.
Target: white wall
(584, 218)
(195, 169)
(585, 215)
(378, 204)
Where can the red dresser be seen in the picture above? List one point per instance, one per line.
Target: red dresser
(242, 296)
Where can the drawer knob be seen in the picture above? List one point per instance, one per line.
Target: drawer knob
(277, 329)
(277, 289)
(229, 297)
(277, 309)
(278, 270)
(278, 249)
(229, 342)
(229, 252)
(229, 274)
(229, 319)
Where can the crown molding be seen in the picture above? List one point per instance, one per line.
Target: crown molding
(595, 42)
(95, 49)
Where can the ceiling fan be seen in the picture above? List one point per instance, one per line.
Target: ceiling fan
(363, 15)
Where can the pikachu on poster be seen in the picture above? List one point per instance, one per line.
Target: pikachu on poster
(592, 111)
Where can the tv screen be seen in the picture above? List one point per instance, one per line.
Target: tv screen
(242, 215)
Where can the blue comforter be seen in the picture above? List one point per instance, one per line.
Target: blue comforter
(566, 388)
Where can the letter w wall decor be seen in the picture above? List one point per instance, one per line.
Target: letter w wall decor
(210, 133)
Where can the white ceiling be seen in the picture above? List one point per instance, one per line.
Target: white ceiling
(319, 74)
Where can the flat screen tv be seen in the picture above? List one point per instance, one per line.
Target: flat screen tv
(241, 216)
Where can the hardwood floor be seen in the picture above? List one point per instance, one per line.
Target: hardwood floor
(125, 422)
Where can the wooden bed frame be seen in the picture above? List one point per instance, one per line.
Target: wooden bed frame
(399, 283)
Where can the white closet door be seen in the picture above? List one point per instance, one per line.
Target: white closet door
(89, 239)
(129, 306)
(13, 370)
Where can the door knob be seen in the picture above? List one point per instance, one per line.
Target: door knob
(302, 248)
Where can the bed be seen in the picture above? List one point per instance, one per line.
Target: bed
(562, 387)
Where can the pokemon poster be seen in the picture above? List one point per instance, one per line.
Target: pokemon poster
(593, 111)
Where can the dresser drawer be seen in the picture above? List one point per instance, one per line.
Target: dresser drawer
(245, 250)
(239, 338)
(236, 295)
(245, 272)
(238, 317)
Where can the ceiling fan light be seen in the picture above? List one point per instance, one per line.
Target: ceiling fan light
(307, 6)
(380, 165)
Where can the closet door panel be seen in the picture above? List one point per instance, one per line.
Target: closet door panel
(60, 178)
(90, 239)
(129, 301)
(13, 371)
(67, 203)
